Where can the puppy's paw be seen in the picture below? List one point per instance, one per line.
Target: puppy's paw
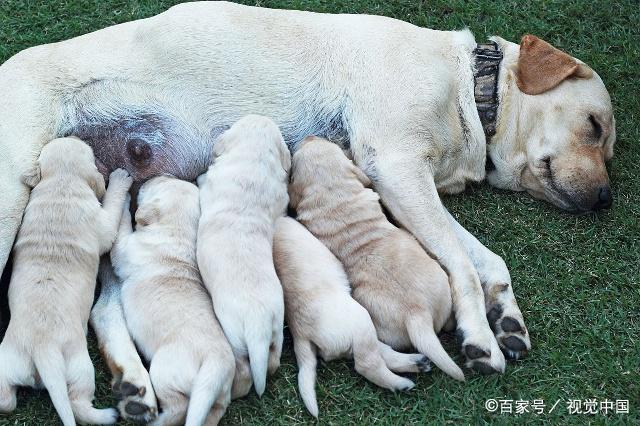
(137, 403)
(120, 178)
(511, 333)
(481, 350)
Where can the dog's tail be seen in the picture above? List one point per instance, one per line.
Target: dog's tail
(213, 379)
(420, 328)
(307, 362)
(258, 348)
(50, 365)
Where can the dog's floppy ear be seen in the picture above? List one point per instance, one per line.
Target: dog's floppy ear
(147, 214)
(32, 177)
(542, 67)
(364, 179)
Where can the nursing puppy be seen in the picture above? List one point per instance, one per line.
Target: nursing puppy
(241, 196)
(405, 291)
(168, 310)
(324, 319)
(64, 231)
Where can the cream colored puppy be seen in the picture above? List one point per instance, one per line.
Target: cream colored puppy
(405, 291)
(241, 196)
(325, 320)
(168, 310)
(64, 231)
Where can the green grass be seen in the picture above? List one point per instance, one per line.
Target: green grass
(577, 279)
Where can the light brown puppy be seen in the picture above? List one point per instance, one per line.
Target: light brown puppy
(168, 311)
(405, 291)
(324, 319)
(64, 231)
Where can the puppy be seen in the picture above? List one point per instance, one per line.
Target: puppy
(324, 318)
(405, 291)
(168, 310)
(241, 196)
(64, 231)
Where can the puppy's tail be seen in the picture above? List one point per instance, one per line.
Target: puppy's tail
(307, 361)
(258, 348)
(420, 328)
(50, 365)
(212, 380)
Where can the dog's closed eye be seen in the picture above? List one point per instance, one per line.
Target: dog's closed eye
(597, 128)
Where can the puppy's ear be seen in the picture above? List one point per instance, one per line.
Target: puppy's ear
(32, 177)
(364, 179)
(542, 67)
(147, 214)
(96, 182)
(285, 158)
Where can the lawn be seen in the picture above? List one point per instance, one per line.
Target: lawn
(577, 278)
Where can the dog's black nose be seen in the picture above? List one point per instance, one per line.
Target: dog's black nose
(605, 199)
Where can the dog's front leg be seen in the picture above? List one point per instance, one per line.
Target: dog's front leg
(407, 189)
(114, 199)
(502, 309)
(130, 380)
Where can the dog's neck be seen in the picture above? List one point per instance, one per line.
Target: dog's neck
(506, 154)
(485, 85)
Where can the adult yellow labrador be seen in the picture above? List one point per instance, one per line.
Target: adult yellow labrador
(420, 111)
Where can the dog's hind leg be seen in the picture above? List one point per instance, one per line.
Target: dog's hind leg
(172, 380)
(275, 349)
(369, 363)
(130, 379)
(403, 363)
(14, 371)
(409, 192)
(242, 379)
(81, 383)
(503, 312)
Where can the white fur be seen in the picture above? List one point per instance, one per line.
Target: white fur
(63, 234)
(168, 310)
(244, 192)
(402, 96)
(325, 320)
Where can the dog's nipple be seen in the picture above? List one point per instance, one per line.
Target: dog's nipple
(139, 151)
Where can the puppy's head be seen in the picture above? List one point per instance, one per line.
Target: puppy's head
(254, 135)
(565, 127)
(67, 156)
(165, 198)
(317, 160)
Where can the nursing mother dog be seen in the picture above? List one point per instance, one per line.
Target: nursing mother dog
(419, 111)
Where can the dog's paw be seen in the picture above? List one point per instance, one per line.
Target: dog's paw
(120, 177)
(137, 403)
(481, 351)
(511, 333)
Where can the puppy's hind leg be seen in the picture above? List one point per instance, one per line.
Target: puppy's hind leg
(403, 363)
(130, 382)
(370, 364)
(242, 379)
(81, 379)
(14, 370)
(172, 378)
(307, 362)
(275, 349)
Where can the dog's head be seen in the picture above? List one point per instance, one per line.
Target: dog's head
(165, 197)
(318, 160)
(556, 128)
(68, 156)
(254, 135)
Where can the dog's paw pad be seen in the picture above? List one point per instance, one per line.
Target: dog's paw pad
(424, 365)
(510, 325)
(474, 352)
(134, 408)
(128, 389)
(483, 368)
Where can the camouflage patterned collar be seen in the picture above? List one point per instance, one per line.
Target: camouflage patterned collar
(488, 57)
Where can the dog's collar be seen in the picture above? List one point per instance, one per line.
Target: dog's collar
(485, 85)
